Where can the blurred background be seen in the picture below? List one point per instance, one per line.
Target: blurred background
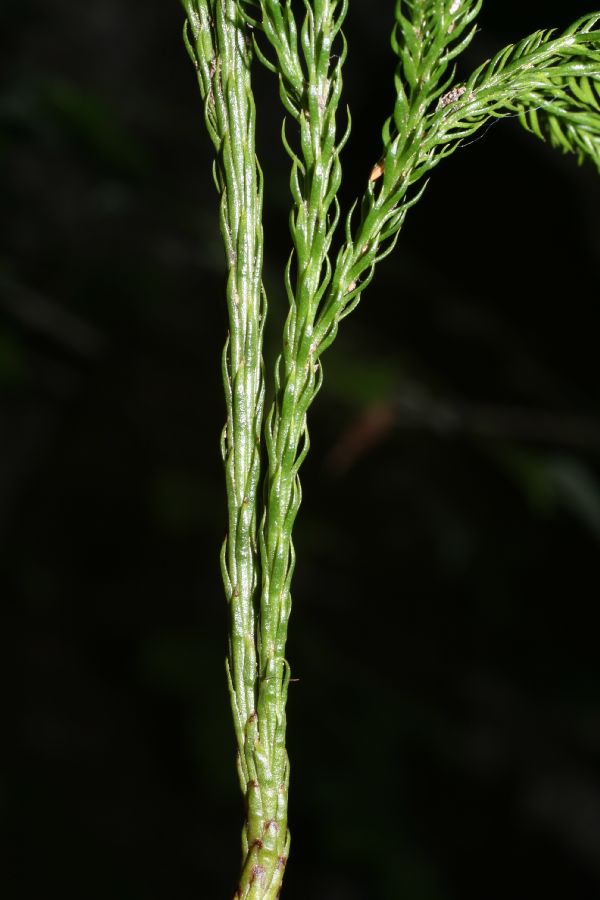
(445, 728)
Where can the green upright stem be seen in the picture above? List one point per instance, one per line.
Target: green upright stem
(218, 45)
(311, 93)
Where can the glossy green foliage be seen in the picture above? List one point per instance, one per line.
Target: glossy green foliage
(550, 82)
(217, 45)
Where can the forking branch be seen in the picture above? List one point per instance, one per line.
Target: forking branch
(549, 81)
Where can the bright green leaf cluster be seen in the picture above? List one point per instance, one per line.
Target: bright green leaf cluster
(551, 81)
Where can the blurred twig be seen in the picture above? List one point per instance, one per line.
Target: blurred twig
(45, 317)
(416, 408)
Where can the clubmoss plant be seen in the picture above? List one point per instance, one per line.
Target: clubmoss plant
(550, 81)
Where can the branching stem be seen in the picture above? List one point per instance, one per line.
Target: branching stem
(550, 82)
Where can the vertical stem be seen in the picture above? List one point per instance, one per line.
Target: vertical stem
(311, 91)
(217, 43)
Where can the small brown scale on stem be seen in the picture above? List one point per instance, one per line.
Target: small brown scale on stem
(377, 170)
(451, 97)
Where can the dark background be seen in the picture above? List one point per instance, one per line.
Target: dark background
(445, 730)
